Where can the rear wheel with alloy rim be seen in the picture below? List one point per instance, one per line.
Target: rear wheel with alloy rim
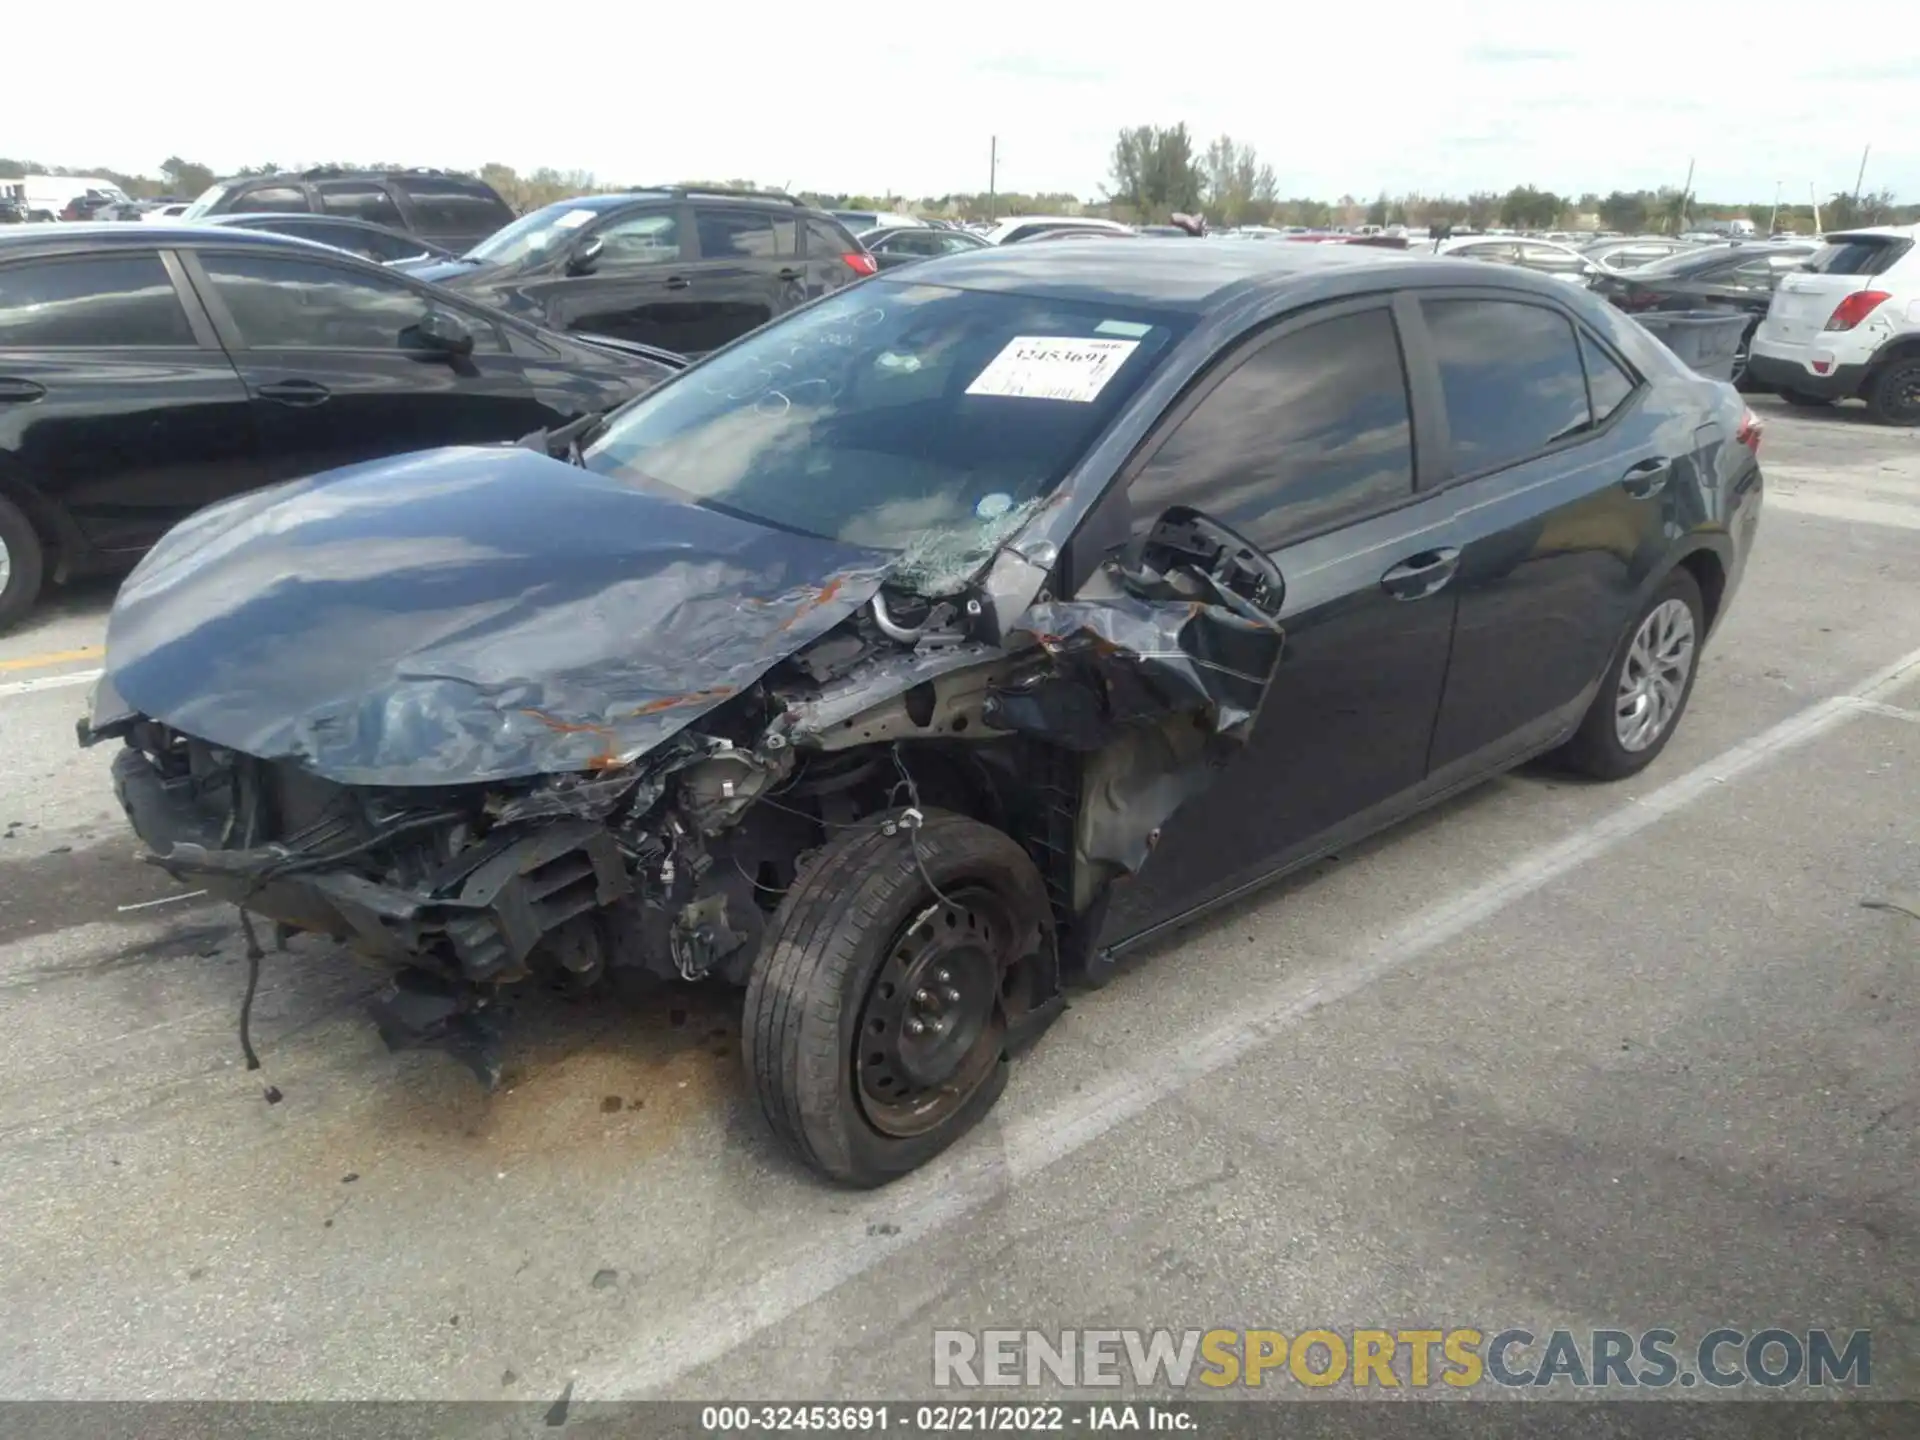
(1894, 396)
(877, 1013)
(22, 564)
(1647, 686)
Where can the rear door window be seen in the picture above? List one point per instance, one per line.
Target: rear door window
(742, 235)
(360, 200)
(102, 301)
(269, 200)
(1311, 431)
(652, 238)
(1858, 254)
(279, 303)
(1511, 376)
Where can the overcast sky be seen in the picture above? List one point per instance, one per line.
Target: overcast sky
(1359, 97)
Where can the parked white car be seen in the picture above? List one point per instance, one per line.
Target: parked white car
(1024, 227)
(1847, 326)
(1563, 262)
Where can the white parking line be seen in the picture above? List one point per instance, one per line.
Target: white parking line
(1840, 507)
(48, 682)
(963, 1181)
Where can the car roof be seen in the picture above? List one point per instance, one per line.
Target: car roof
(236, 219)
(1163, 273)
(108, 235)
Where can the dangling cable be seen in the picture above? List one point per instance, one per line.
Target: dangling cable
(912, 821)
(254, 957)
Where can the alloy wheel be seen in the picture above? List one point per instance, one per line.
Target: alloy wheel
(1654, 678)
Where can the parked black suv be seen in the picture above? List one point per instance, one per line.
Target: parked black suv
(148, 370)
(453, 211)
(687, 270)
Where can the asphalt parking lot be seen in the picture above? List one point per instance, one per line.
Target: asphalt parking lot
(1556, 1056)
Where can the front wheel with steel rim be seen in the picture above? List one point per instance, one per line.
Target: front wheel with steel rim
(1646, 688)
(22, 564)
(877, 1012)
(1894, 396)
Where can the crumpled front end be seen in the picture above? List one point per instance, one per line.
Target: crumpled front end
(476, 780)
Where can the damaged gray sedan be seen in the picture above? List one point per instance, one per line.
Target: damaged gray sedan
(909, 658)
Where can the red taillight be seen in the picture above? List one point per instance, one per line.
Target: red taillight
(1749, 432)
(1855, 308)
(860, 262)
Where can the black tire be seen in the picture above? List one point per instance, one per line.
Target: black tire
(1806, 401)
(816, 1025)
(1596, 749)
(1743, 380)
(26, 564)
(1893, 396)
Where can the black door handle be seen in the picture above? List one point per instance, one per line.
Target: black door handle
(13, 389)
(295, 392)
(1419, 576)
(678, 282)
(1647, 479)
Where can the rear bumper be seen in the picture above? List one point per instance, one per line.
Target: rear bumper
(1795, 372)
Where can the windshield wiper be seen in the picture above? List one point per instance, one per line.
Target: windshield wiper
(565, 442)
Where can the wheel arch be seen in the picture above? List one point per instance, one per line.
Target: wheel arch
(1902, 347)
(58, 535)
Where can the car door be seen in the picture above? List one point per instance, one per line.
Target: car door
(337, 370)
(1560, 515)
(116, 401)
(1305, 446)
(625, 276)
(746, 270)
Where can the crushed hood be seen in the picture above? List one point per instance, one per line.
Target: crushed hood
(464, 615)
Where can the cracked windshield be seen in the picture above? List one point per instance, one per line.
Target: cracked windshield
(919, 419)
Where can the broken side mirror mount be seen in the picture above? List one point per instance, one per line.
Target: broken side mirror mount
(586, 257)
(1195, 555)
(444, 333)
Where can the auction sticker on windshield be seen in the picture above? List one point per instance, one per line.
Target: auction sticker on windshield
(1053, 367)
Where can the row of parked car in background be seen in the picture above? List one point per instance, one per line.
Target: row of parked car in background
(283, 324)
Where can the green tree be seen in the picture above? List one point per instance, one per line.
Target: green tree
(1238, 189)
(1626, 211)
(1528, 208)
(1154, 173)
(1483, 208)
(185, 178)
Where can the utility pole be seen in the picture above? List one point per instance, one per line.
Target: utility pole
(1773, 220)
(1857, 181)
(1686, 196)
(1814, 200)
(993, 172)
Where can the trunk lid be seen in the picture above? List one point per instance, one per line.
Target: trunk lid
(1845, 263)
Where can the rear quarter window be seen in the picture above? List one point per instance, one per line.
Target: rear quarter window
(449, 207)
(826, 239)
